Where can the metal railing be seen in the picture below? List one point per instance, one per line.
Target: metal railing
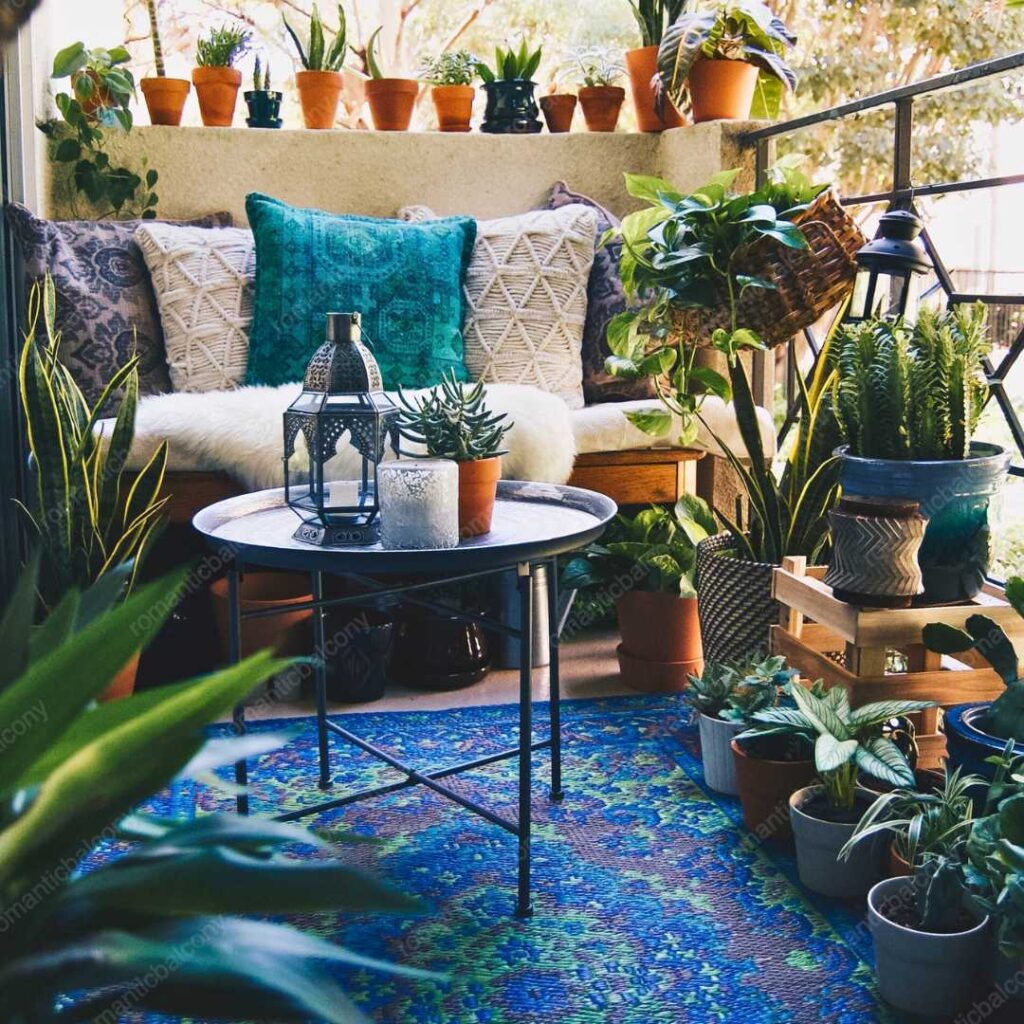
(902, 195)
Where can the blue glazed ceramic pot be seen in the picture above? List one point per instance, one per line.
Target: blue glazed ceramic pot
(967, 743)
(955, 495)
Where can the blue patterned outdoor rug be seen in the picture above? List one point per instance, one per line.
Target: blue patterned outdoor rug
(652, 904)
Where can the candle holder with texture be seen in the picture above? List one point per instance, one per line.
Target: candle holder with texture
(419, 501)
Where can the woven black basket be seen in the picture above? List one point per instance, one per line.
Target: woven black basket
(734, 601)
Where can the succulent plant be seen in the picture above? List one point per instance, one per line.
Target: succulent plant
(222, 47)
(511, 65)
(316, 55)
(453, 422)
(735, 691)
(261, 76)
(455, 67)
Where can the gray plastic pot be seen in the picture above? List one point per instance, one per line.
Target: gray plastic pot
(716, 737)
(921, 972)
(818, 843)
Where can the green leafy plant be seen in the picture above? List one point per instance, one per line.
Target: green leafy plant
(655, 550)
(169, 907)
(315, 54)
(222, 47)
(939, 889)
(736, 691)
(454, 67)
(596, 67)
(921, 823)
(744, 30)
(512, 65)
(373, 59)
(260, 76)
(86, 518)
(1005, 715)
(912, 392)
(846, 741)
(453, 422)
(654, 16)
(101, 91)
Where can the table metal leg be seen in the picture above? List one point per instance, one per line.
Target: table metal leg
(320, 651)
(524, 907)
(554, 684)
(234, 656)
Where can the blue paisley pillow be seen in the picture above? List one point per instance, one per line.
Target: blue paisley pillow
(106, 309)
(405, 279)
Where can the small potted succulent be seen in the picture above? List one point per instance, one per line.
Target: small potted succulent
(511, 92)
(645, 564)
(216, 79)
(725, 696)
(264, 105)
(453, 422)
(600, 97)
(653, 17)
(977, 732)
(165, 97)
(451, 76)
(727, 62)
(930, 937)
(847, 743)
(320, 81)
(391, 100)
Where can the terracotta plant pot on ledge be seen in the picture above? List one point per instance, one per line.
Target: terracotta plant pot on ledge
(558, 109)
(391, 102)
(660, 641)
(123, 684)
(165, 99)
(642, 65)
(601, 106)
(478, 488)
(285, 632)
(454, 107)
(217, 89)
(722, 90)
(319, 94)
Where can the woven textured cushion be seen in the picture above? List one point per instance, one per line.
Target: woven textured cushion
(606, 298)
(203, 282)
(405, 279)
(526, 295)
(105, 303)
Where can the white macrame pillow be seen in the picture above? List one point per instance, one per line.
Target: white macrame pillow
(526, 298)
(203, 280)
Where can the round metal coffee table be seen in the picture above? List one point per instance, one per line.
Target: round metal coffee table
(533, 524)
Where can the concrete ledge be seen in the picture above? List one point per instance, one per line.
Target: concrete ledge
(371, 173)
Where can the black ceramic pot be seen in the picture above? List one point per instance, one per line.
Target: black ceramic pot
(511, 108)
(264, 109)
(359, 649)
(438, 652)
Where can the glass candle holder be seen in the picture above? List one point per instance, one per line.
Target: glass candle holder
(419, 503)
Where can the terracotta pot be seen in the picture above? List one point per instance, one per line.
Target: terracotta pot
(642, 66)
(659, 627)
(655, 676)
(722, 90)
(391, 102)
(165, 99)
(319, 93)
(217, 89)
(765, 787)
(454, 106)
(558, 111)
(478, 486)
(896, 866)
(601, 105)
(100, 93)
(286, 632)
(123, 684)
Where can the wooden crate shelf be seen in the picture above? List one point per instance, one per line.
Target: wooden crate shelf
(825, 638)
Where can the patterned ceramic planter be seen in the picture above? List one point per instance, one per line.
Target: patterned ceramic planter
(716, 737)
(511, 108)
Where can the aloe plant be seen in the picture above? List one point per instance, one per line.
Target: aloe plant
(80, 945)
(511, 65)
(315, 54)
(86, 517)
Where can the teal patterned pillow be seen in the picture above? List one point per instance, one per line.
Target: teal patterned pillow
(405, 279)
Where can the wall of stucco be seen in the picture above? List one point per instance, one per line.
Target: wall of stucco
(370, 173)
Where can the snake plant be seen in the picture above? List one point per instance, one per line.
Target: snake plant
(654, 16)
(315, 54)
(155, 927)
(453, 422)
(87, 516)
(511, 65)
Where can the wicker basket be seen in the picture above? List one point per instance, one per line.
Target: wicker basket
(808, 282)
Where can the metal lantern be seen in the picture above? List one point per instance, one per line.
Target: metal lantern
(888, 270)
(343, 393)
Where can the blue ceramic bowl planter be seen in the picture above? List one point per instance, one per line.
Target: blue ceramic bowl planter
(967, 744)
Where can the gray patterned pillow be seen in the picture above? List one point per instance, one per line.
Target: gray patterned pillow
(605, 299)
(105, 301)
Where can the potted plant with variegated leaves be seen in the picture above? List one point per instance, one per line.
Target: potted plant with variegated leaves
(652, 17)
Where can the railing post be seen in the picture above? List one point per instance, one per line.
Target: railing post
(762, 364)
(903, 150)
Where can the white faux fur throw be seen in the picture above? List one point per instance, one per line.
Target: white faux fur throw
(240, 433)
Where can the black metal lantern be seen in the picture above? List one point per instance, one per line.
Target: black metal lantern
(888, 269)
(343, 393)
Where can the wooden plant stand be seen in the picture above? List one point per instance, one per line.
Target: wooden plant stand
(815, 624)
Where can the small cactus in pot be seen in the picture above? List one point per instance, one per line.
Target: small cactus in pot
(264, 104)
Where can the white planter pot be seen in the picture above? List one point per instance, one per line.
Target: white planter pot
(716, 752)
(921, 972)
(818, 843)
